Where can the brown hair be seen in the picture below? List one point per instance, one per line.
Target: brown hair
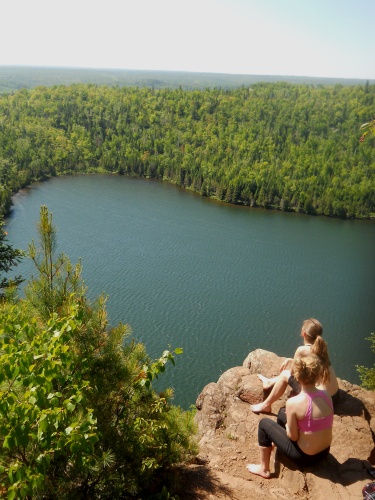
(308, 370)
(319, 348)
(312, 328)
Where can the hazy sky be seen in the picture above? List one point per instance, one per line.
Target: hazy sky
(332, 38)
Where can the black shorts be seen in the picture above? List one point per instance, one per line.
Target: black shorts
(294, 384)
(270, 432)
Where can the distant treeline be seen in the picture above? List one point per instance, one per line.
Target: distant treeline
(13, 78)
(273, 145)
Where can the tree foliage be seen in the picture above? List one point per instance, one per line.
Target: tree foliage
(9, 258)
(367, 375)
(57, 278)
(367, 128)
(273, 145)
(79, 416)
(46, 420)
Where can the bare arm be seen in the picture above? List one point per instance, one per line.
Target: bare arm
(291, 421)
(285, 364)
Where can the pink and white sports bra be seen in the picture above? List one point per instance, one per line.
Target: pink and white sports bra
(310, 424)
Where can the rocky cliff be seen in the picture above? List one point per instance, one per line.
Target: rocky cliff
(228, 441)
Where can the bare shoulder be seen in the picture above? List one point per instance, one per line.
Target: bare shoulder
(302, 352)
(297, 405)
(295, 401)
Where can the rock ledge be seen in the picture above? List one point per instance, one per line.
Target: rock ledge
(228, 441)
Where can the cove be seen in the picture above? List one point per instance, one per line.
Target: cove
(215, 279)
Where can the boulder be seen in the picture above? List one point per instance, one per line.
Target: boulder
(228, 440)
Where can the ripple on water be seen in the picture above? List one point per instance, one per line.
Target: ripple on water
(217, 280)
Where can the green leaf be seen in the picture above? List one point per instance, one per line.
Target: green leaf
(11, 494)
(23, 439)
(9, 442)
(43, 425)
(7, 370)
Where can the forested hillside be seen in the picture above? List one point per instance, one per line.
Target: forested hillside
(273, 145)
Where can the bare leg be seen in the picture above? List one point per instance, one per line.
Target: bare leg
(277, 391)
(267, 382)
(262, 469)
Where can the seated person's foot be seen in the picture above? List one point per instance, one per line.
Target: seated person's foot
(261, 408)
(267, 383)
(257, 470)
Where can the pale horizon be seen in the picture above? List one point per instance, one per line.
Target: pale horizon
(26, 66)
(309, 38)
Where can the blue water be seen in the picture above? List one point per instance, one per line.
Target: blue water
(217, 280)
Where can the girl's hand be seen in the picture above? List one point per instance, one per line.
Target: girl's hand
(285, 363)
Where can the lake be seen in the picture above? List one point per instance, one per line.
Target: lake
(215, 279)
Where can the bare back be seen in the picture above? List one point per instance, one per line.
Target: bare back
(309, 442)
(302, 352)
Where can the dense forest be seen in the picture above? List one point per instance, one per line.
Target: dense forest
(274, 145)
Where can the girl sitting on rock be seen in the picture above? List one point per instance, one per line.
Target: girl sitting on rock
(307, 436)
(313, 343)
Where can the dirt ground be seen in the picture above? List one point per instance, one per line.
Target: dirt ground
(230, 480)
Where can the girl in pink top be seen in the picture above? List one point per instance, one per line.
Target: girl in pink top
(307, 436)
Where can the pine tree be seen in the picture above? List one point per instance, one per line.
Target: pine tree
(9, 258)
(80, 417)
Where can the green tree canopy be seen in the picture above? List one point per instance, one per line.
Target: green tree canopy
(79, 417)
(273, 145)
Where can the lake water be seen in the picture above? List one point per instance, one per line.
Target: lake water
(217, 280)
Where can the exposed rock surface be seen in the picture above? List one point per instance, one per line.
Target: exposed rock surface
(228, 441)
